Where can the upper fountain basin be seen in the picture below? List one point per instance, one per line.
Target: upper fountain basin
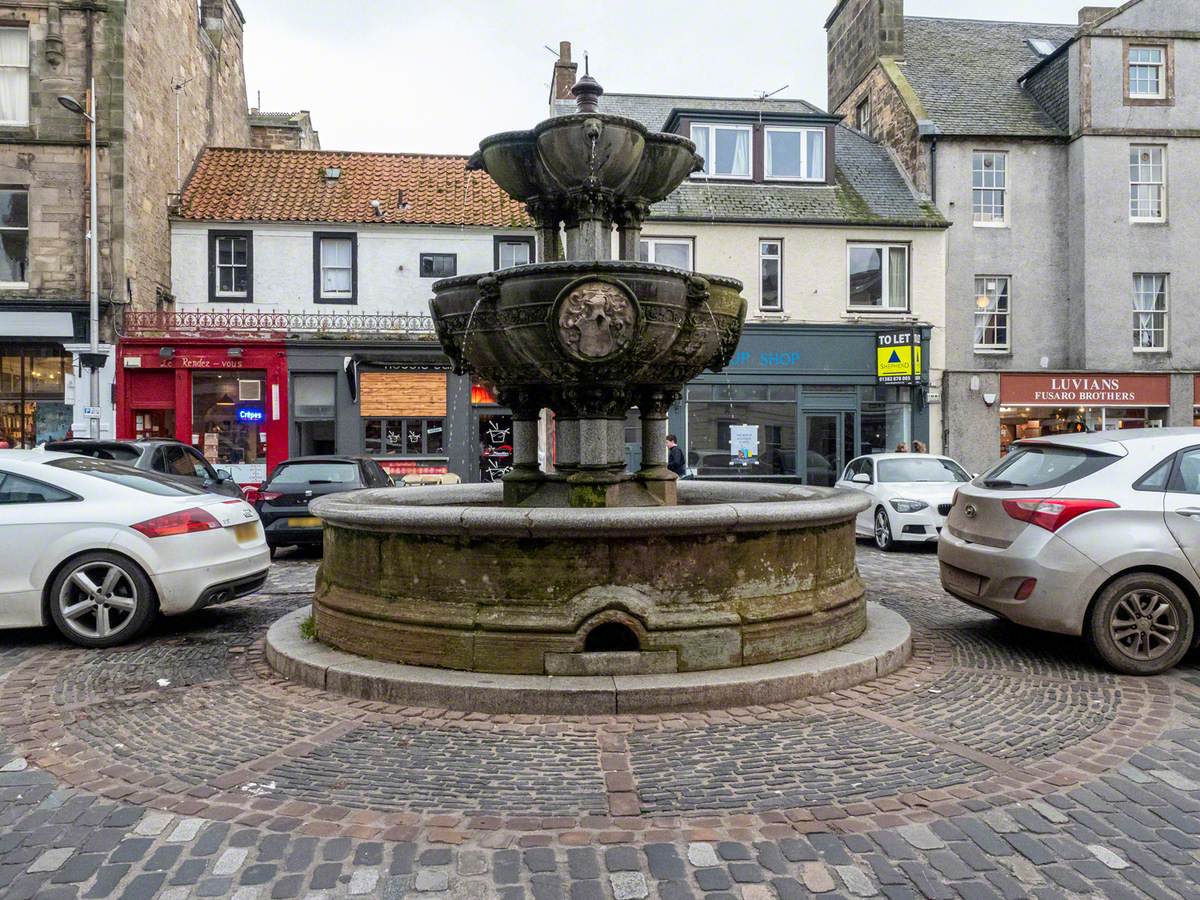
(588, 322)
(587, 150)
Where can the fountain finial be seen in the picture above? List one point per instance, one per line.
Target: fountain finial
(587, 93)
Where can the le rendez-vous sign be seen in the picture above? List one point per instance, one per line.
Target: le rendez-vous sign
(1085, 389)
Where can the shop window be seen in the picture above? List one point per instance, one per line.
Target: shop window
(884, 420)
(737, 438)
(335, 263)
(725, 150)
(675, 252)
(1149, 312)
(14, 75)
(878, 276)
(511, 252)
(989, 187)
(770, 266)
(405, 437)
(32, 384)
(795, 154)
(229, 422)
(14, 235)
(230, 266)
(439, 265)
(1147, 183)
(495, 445)
(991, 312)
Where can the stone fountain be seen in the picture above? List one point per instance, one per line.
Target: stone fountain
(588, 570)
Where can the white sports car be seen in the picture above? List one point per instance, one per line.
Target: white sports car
(96, 548)
(910, 495)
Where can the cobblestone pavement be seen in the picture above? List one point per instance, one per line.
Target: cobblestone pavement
(998, 763)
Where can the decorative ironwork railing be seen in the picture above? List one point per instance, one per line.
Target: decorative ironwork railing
(274, 324)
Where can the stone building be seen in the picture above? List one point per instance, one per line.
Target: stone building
(283, 130)
(1066, 157)
(169, 81)
(835, 249)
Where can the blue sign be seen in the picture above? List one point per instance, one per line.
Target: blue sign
(250, 414)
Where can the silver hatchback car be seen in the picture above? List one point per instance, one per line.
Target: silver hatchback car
(1088, 534)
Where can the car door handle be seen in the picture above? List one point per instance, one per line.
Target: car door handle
(1190, 512)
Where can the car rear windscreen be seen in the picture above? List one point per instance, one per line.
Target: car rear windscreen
(920, 469)
(1045, 466)
(146, 482)
(315, 473)
(114, 452)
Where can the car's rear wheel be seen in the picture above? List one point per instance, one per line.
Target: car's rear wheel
(883, 530)
(1142, 624)
(101, 599)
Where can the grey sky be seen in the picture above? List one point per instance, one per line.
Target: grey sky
(400, 75)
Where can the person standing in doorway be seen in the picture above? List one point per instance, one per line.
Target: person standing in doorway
(902, 447)
(919, 447)
(675, 461)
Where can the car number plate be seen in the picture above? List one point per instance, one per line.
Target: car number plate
(961, 581)
(304, 522)
(247, 531)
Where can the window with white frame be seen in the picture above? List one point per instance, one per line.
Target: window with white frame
(1147, 183)
(989, 187)
(862, 116)
(335, 254)
(14, 76)
(1147, 72)
(1149, 312)
(231, 265)
(513, 253)
(992, 311)
(675, 252)
(877, 275)
(770, 267)
(14, 236)
(725, 149)
(795, 154)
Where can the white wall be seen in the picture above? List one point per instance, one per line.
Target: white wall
(388, 265)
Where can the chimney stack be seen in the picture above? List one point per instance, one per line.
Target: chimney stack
(1089, 14)
(564, 74)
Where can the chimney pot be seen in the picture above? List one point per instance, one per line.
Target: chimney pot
(564, 51)
(1089, 14)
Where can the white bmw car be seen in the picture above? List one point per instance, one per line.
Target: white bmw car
(97, 548)
(910, 495)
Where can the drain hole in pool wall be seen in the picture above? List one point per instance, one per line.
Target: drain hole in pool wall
(611, 637)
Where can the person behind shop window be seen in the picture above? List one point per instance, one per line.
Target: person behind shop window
(902, 447)
(919, 447)
(675, 461)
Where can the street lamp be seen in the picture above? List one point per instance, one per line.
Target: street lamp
(94, 361)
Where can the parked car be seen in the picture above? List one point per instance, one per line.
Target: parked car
(174, 459)
(1087, 534)
(910, 495)
(282, 500)
(98, 548)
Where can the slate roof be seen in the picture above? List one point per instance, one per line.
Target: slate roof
(250, 185)
(869, 188)
(966, 73)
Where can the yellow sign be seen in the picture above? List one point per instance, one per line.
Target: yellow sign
(895, 364)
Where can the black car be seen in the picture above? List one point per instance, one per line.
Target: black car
(282, 501)
(174, 459)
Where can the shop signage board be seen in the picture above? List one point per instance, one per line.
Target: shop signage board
(1085, 389)
(897, 357)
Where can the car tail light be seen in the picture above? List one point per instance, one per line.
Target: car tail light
(1025, 590)
(1052, 513)
(254, 495)
(185, 522)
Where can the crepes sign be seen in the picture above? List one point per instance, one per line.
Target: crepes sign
(1085, 389)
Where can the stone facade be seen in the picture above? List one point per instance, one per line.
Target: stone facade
(283, 131)
(859, 33)
(893, 120)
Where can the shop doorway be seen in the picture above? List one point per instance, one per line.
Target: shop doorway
(829, 442)
(494, 428)
(153, 423)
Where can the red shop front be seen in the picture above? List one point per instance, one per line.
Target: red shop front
(226, 399)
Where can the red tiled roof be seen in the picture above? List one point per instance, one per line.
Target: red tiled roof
(249, 185)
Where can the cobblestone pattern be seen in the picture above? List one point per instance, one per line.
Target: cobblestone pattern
(999, 763)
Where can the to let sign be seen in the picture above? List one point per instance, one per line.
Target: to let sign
(1085, 389)
(897, 357)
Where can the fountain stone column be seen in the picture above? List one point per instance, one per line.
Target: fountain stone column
(526, 476)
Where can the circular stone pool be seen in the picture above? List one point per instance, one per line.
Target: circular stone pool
(735, 575)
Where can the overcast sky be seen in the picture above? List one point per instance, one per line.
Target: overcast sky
(435, 76)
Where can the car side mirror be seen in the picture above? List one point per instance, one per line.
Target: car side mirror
(861, 478)
(224, 475)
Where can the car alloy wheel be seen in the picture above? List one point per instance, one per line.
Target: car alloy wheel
(1144, 625)
(98, 600)
(883, 530)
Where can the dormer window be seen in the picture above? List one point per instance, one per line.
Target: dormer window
(725, 149)
(795, 154)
